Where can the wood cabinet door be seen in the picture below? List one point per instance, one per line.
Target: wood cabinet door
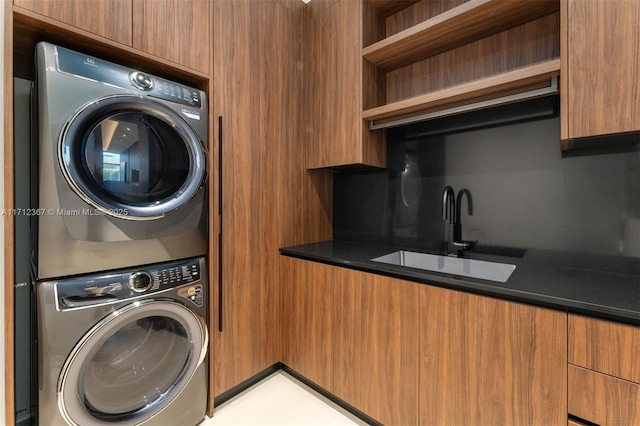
(263, 192)
(487, 361)
(601, 67)
(107, 18)
(176, 30)
(356, 335)
(335, 133)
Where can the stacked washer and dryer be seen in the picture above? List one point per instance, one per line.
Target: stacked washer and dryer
(121, 231)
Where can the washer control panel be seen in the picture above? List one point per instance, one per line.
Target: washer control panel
(186, 276)
(105, 72)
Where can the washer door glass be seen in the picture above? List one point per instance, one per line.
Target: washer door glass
(131, 157)
(132, 364)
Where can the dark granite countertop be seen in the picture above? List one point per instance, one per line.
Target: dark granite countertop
(599, 286)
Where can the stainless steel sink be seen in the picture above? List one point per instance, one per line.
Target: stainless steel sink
(492, 271)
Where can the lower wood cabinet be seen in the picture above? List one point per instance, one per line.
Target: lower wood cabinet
(356, 335)
(604, 372)
(485, 361)
(412, 354)
(602, 399)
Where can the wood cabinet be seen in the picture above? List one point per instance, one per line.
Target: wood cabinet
(107, 18)
(335, 134)
(487, 361)
(176, 30)
(600, 94)
(408, 354)
(356, 335)
(604, 375)
(602, 399)
(268, 199)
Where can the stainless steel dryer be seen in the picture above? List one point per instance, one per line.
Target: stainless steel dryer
(121, 164)
(125, 347)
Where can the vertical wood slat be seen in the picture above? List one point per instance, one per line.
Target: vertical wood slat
(9, 237)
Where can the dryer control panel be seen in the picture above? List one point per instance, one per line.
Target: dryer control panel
(113, 287)
(95, 69)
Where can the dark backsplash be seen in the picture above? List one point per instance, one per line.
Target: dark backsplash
(526, 194)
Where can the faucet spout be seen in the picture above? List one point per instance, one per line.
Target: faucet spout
(462, 193)
(458, 242)
(448, 204)
(451, 212)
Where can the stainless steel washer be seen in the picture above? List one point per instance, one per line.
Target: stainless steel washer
(124, 348)
(121, 163)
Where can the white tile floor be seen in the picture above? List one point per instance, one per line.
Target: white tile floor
(280, 400)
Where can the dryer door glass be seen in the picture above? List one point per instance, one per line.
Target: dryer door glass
(131, 157)
(132, 364)
(135, 366)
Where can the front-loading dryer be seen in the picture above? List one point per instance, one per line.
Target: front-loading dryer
(121, 166)
(124, 347)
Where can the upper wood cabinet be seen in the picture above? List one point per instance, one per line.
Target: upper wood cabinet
(600, 68)
(107, 18)
(335, 134)
(485, 361)
(176, 30)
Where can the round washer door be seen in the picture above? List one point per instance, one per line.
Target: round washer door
(132, 364)
(131, 157)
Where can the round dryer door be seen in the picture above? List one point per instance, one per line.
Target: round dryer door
(133, 363)
(131, 157)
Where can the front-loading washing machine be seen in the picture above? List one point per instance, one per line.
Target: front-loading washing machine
(124, 348)
(121, 163)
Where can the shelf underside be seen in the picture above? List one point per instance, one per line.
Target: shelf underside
(461, 25)
(520, 80)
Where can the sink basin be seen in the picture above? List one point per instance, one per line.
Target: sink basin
(492, 271)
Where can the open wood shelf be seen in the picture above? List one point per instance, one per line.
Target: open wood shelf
(389, 7)
(456, 27)
(520, 80)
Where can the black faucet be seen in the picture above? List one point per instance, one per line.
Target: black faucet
(451, 205)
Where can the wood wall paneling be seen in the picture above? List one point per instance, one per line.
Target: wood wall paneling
(486, 361)
(602, 74)
(107, 18)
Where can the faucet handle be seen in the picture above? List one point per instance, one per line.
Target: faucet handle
(464, 244)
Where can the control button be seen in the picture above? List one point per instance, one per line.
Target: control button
(141, 80)
(140, 281)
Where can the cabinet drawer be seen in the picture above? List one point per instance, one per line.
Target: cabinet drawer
(603, 399)
(605, 346)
